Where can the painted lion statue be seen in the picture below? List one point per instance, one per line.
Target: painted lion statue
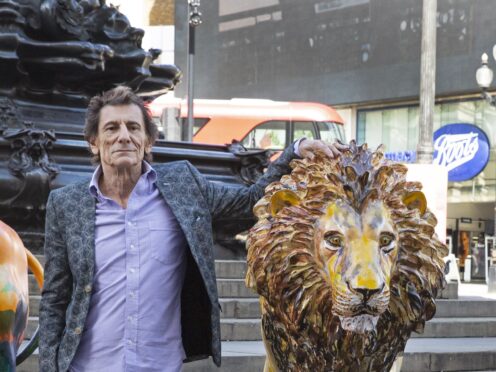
(15, 260)
(346, 263)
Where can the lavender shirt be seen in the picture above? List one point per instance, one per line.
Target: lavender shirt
(134, 319)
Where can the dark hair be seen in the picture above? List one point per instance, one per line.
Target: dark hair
(120, 95)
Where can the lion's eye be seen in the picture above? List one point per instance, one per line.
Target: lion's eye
(385, 242)
(334, 241)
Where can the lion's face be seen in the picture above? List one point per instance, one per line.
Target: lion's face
(357, 251)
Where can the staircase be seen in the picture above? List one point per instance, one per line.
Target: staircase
(461, 337)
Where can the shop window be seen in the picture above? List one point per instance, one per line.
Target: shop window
(398, 129)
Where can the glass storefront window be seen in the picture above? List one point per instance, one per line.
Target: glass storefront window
(397, 129)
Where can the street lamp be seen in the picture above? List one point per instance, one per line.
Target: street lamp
(194, 20)
(484, 77)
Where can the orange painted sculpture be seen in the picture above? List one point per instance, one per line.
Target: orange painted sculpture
(346, 262)
(14, 297)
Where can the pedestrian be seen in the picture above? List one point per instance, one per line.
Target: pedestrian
(129, 276)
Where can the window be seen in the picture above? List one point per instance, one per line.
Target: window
(304, 129)
(269, 135)
(398, 129)
(329, 131)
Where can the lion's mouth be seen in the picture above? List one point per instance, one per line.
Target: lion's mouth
(359, 323)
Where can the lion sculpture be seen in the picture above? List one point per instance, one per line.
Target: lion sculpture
(14, 298)
(346, 263)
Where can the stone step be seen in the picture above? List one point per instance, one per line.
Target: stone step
(243, 308)
(233, 329)
(234, 288)
(226, 288)
(236, 269)
(452, 355)
(421, 355)
(240, 308)
(31, 328)
(33, 285)
(249, 329)
(459, 327)
(34, 305)
(40, 258)
(231, 288)
(465, 307)
(240, 329)
(230, 269)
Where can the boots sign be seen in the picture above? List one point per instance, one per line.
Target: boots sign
(463, 149)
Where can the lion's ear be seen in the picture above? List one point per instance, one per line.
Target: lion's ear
(416, 200)
(281, 199)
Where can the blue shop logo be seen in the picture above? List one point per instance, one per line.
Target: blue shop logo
(402, 156)
(463, 149)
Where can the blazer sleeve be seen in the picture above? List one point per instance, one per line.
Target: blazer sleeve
(56, 291)
(235, 202)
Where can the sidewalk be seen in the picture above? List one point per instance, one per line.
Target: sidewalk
(474, 290)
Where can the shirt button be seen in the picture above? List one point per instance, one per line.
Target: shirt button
(130, 223)
(131, 294)
(77, 330)
(131, 271)
(131, 246)
(87, 288)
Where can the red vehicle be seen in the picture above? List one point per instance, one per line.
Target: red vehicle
(257, 124)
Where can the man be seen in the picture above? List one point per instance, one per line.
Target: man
(129, 276)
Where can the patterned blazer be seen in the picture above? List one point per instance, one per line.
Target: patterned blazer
(69, 252)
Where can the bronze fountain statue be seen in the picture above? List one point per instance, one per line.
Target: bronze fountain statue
(65, 51)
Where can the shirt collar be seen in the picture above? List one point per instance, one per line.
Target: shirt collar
(143, 186)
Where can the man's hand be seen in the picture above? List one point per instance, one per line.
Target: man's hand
(308, 148)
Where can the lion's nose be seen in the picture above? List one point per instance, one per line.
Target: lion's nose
(366, 293)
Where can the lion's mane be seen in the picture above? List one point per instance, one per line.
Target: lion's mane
(296, 299)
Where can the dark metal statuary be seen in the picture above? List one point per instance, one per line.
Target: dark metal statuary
(54, 56)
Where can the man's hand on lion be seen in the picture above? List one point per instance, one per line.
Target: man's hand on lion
(309, 148)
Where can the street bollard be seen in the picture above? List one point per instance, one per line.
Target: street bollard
(468, 267)
(491, 279)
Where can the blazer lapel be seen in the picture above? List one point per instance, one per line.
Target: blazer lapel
(182, 205)
(181, 192)
(86, 221)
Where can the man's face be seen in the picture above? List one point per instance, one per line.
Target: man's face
(121, 141)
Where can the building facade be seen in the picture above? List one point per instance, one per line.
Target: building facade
(362, 57)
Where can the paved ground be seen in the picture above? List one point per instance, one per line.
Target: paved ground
(474, 290)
